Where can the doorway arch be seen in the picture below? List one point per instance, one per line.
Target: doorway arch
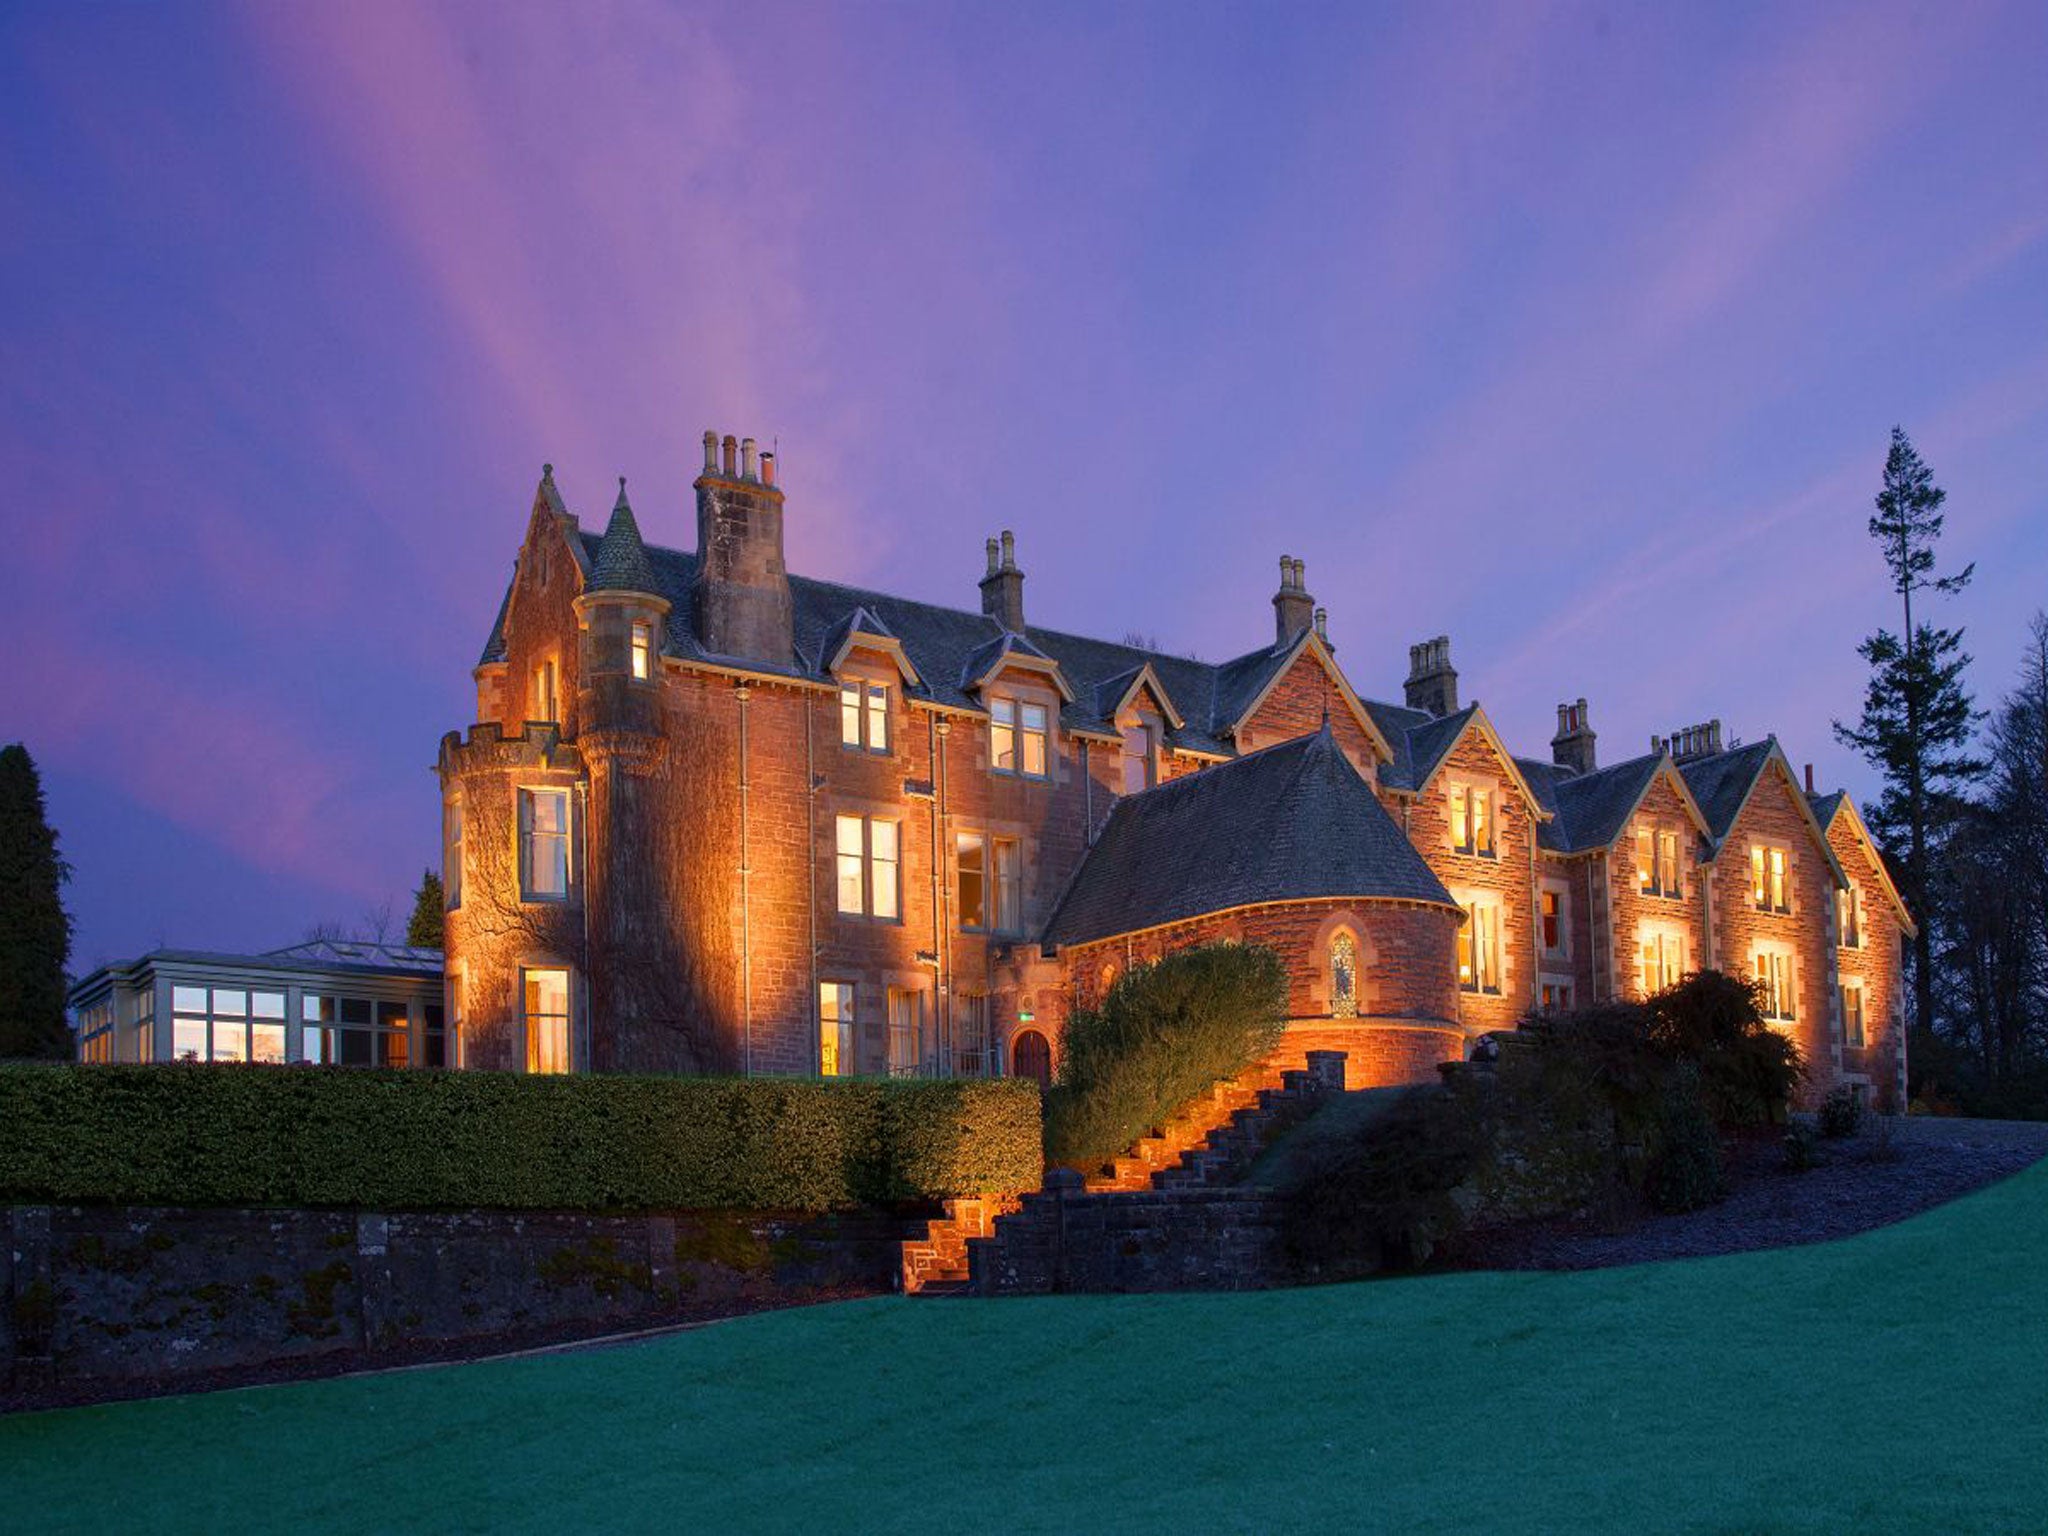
(1031, 1056)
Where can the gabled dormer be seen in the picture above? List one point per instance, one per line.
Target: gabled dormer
(1288, 690)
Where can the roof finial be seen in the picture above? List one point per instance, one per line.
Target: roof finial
(547, 471)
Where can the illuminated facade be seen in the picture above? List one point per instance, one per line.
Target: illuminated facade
(717, 817)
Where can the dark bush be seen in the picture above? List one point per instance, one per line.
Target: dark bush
(1748, 1070)
(1841, 1113)
(1802, 1147)
(1684, 1171)
(1167, 1032)
(1386, 1199)
(329, 1136)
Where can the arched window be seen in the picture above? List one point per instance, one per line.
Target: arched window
(1344, 977)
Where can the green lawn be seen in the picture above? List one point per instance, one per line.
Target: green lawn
(1897, 1381)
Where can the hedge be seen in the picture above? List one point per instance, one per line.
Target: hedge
(190, 1134)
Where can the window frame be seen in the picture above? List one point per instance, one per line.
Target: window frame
(537, 1056)
(1009, 717)
(914, 1030)
(543, 697)
(526, 834)
(1474, 808)
(1561, 919)
(1777, 967)
(1849, 918)
(1854, 988)
(865, 710)
(451, 854)
(868, 862)
(1341, 955)
(1480, 964)
(1770, 878)
(640, 650)
(1006, 885)
(979, 872)
(1665, 943)
(841, 1059)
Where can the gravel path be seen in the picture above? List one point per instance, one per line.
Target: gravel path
(1881, 1175)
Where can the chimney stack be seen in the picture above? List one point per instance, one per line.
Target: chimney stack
(1432, 685)
(740, 599)
(1572, 747)
(1690, 741)
(1002, 589)
(1293, 609)
(1809, 778)
(1323, 630)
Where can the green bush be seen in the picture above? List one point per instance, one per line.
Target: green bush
(1841, 1113)
(329, 1136)
(1167, 1032)
(1684, 1168)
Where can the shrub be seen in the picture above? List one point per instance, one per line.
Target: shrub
(329, 1136)
(1387, 1198)
(1802, 1147)
(1167, 1032)
(1748, 1071)
(1685, 1169)
(1841, 1113)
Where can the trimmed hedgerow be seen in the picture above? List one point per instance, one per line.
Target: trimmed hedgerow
(320, 1136)
(1166, 1032)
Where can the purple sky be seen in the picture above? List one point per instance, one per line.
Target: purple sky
(1574, 332)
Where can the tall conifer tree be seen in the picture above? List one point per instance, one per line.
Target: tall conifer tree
(1918, 717)
(35, 930)
(424, 928)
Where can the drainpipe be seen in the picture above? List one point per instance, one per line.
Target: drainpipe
(1707, 914)
(942, 773)
(1592, 938)
(583, 852)
(742, 693)
(1087, 799)
(1535, 923)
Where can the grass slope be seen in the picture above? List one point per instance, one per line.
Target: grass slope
(1895, 1381)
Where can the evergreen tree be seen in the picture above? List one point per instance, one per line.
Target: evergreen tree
(35, 930)
(1917, 715)
(423, 929)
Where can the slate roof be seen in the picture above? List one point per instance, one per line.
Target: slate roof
(1290, 822)
(1595, 806)
(1721, 783)
(1825, 806)
(944, 643)
(619, 561)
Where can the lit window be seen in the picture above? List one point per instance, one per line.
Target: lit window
(643, 649)
(451, 858)
(543, 844)
(1479, 949)
(1657, 863)
(864, 716)
(866, 850)
(1344, 976)
(1774, 974)
(906, 1031)
(1767, 880)
(835, 1028)
(547, 1021)
(352, 1032)
(1556, 996)
(1017, 738)
(971, 880)
(1472, 821)
(1852, 1017)
(266, 1026)
(1849, 906)
(1009, 885)
(1660, 962)
(1550, 905)
(540, 702)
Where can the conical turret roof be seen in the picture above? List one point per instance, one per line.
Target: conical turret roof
(621, 564)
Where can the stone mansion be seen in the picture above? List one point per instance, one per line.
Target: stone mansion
(716, 817)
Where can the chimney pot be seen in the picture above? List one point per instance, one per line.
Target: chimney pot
(747, 470)
(1009, 550)
(768, 468)
(994, 556)
(729, 450)
(1809, 778)
(710, 453)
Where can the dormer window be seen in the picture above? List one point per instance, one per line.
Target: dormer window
(643, 650)
(1140, 770)
(1472, 821)
(1017, 738)
(864, 716)
(1657, 863)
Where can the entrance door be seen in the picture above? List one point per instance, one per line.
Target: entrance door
(1031, 1056)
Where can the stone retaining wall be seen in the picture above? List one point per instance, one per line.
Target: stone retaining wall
(1066, 1239)
(133, 1293)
